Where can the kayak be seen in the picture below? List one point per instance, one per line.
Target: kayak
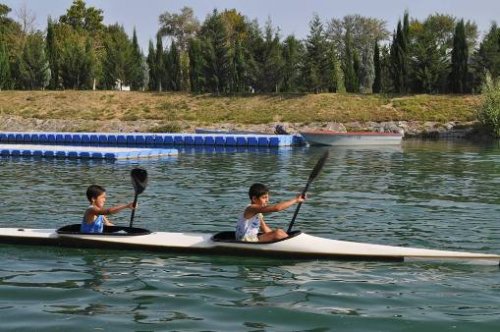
(298, 245)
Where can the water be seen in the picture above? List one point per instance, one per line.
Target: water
(425, 194)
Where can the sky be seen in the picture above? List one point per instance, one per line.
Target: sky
(290, 16)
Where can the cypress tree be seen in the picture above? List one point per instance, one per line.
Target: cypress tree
(399, 56)
(377, 82)
(160, 72)
(350, 62)
(136, 60)
(459, 58)
(174, 68)
(150, 61)
(196, 66)
(52, 55)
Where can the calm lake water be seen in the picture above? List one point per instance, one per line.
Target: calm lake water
(425, 194)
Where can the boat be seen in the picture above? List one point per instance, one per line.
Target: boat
(330, 137)
(298, 245)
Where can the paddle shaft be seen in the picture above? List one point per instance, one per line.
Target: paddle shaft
(298, 206)
(132, 214)
(312, 176)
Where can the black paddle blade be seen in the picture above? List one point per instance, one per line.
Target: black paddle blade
(319, 165)
(139, 179)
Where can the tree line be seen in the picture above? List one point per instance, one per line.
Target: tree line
(228, 53)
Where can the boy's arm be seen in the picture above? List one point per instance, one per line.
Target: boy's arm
(254, 209)
(113, 209)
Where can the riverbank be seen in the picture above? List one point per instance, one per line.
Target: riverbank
(114, 111)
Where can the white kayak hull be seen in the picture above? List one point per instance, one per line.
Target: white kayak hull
(298, 246)
(332, 138)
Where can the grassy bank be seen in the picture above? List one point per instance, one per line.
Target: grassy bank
(252, 109)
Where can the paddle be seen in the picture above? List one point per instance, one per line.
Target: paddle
(139, 181)
(314, 174)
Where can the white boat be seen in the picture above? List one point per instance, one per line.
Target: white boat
(329, 137)
(298, 245)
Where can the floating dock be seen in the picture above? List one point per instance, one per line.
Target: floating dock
(81, 152)
(150, 139)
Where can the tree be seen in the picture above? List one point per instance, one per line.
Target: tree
(180, 27)
(196, 66)
(364, 32)
(216, 53)
(350, 63)
(80, 17)
(459, 59)
(117, 63)
(34, 72)
(399, 56)
(377, 82)
(488, 55)
(292, 55)
(272, 61)
(4, 67)
(136, 71)
(160, 65)
(152, 70)
(53, 55)
(315, 59)
(173, 68)
(76, 59)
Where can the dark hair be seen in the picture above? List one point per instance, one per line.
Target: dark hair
(94, 191)
(257, 190)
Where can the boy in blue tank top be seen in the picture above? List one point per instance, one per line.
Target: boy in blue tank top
(94, 218)
(251, 221)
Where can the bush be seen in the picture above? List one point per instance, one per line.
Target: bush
(489, 114)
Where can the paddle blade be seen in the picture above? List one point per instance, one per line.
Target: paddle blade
(319, 165)
(139, 179)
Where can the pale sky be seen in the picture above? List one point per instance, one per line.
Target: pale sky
(291, 16)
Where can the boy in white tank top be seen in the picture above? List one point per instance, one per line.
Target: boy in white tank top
(251, 221)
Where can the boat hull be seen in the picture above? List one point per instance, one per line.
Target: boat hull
(353, 138)
(298, 246)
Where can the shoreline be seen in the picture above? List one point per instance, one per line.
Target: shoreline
(411, 129)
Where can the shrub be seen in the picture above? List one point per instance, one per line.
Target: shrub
(489, 113)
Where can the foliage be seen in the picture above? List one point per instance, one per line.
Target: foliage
(229, 54)
(489, 113)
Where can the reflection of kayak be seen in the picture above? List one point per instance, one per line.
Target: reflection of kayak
(298, 246)
(328, 137)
